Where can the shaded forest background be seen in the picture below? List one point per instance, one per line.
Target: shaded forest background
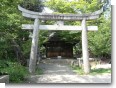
(15, 43)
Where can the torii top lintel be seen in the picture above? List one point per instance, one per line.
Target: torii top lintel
(62, 17)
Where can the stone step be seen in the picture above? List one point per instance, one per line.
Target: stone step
(59, 61)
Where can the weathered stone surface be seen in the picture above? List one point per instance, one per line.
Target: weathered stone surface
(68, 17)
(33, 54)
(58, 27)
(4, 79)
(85, 54)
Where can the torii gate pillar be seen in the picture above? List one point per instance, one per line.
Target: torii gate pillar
(33, 54)
(85, 54)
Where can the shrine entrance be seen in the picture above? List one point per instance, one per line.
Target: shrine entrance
(65, 50)
(59, 18)
(56, 47)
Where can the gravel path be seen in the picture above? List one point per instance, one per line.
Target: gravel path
(59, 73)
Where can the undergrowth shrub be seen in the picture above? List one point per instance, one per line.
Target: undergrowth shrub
(15, 71)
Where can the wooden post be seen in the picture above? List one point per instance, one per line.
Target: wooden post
(33, 54)
(85, 55)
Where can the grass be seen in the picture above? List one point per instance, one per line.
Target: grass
(80, 71)
(39, 71)
(100, 71)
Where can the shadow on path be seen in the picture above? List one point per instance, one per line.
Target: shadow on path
(62, 73)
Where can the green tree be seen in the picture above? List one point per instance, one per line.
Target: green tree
(100, 41)
(74, 6)
(11, 35)
(33, 5)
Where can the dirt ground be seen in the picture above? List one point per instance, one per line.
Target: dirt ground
(62, 73)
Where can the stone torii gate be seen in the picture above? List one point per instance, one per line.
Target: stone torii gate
(59, 18)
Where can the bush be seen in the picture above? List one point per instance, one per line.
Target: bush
(3, 65)
(15, 71)
(100, 41)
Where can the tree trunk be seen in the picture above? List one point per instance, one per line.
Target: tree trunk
(19, 54)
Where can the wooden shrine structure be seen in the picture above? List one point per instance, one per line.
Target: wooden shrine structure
(59, 26)
(59, 48)
(56, 47)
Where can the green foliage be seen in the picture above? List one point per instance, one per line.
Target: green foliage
(15, 71)
(100, 71)
(100, 42)
(3, 64)
(80, 71)
(61, 6)
(80, 6)
(10, 28)
(34, 5)
(39, 71)
(26, 46)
